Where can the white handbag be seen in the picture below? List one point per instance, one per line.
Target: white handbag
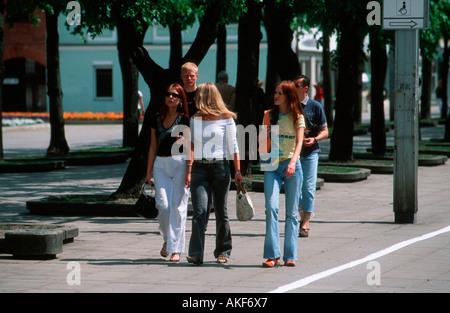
(244, 205)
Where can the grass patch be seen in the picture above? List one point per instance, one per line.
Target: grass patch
(337, 169)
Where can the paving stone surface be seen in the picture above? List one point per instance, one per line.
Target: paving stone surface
(354, 244)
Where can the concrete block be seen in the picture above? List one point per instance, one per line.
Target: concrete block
(34, 243)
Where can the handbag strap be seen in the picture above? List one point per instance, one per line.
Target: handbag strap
(152, 188)
(240, 188)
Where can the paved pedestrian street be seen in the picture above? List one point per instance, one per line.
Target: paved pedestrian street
(354, 244)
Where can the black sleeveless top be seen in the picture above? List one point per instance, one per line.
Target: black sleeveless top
(164, 135)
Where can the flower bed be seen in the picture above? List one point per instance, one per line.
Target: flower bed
(93, 115)
(30, 118)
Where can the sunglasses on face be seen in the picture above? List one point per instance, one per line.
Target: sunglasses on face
(174, 95)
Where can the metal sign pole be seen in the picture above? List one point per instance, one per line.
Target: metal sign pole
(406, 17)
(406, 125)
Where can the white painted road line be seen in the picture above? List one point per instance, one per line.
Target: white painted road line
(310, 279)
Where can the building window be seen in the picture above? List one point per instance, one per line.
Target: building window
(103, 81)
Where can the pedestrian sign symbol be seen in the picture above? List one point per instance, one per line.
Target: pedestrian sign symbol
(405, 14)
(403, 11)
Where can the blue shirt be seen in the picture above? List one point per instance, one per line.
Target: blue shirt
(315, 118)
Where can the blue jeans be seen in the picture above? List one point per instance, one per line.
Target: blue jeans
(210, 180)
(292, 187)
(308, 188)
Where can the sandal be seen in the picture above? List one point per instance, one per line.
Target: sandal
(163, 252)
(222, 259)
(289, 263)
(175, 257)
(271, 263)
(303, 233)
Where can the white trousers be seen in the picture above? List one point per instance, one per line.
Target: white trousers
(171, 200)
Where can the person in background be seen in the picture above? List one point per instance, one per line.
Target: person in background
(287, 114)
(319, 93)
(227, 91)
(189, 76)
(210, 171)
(440, 95)
(316, 130)
(171, 172)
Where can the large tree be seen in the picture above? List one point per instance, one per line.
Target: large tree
(131, 19)
(429, 44)
(248, 105)
(319, 15)
(378, 62)
(2, 70)
(58, 143)
(249, 37)
(211, 15)
(444, 25)
(52, 8)
(282, 62)
(352, 29)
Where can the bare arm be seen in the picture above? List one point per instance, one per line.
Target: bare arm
(298, 148)
(151, 157)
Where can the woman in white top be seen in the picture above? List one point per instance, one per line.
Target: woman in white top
(213, 133)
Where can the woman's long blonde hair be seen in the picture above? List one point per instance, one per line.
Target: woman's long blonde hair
(209, 101)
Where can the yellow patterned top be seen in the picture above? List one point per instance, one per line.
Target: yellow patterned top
(287, 135)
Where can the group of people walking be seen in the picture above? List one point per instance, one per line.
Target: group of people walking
(182, 160)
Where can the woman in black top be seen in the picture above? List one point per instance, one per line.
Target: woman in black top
(171, 170)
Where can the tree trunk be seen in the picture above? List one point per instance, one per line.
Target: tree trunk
(327, 89)
(2, 71)
(249, 37)
(176, 46)
(350, 46)
(157, 79)
(58, 144)
(130, 78)
(221, 58)
(444, 76)
(206, 34)
(425, 99)
(282, 61)
(357, 109)
(378, 61)
(247, 100)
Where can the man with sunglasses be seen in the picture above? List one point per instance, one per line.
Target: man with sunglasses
(316, 130)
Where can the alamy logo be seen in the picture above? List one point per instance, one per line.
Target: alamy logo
(374, 276)
(74, 276)
(245, 137)
(74, 16)
(374, 16)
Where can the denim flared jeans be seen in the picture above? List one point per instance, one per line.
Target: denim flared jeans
(210, 179)
(292, 187)
(308, 189)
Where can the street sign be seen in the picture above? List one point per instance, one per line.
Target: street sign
(405, 14)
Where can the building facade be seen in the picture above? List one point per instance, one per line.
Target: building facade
(91, 78)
